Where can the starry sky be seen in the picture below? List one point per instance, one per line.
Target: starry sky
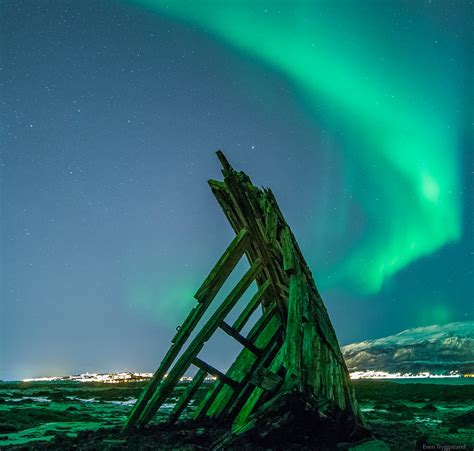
(358, 115)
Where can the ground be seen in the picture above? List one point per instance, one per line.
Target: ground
(89, 416)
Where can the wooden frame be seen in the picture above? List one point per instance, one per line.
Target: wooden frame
(292, 346)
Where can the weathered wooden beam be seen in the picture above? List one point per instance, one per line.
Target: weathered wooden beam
(243, 197)
(217, 185)
(271, 222)
(247, 312)
(262, 322)
(245, 363)
(289, 261)
(294, 332)
(257, 392)
(225, 164)
(187, 395)
(215, 372)
(208, 400)
(223, 267)
(229, 330)
(263, 362)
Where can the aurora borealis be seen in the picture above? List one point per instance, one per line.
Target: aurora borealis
(358, 115)
(394, 131)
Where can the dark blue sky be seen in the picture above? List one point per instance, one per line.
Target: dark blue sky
(111, 113)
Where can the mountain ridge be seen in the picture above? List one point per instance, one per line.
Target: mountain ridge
(437, 349)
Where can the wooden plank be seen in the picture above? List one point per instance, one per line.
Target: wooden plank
(294, 332)
(270, 336)
(208, 400)
(167, 385)
(223, 267)
(247, 312)
(271, 222)
(236, 403)
(178, 341)
(240, 338)
(215, 372)
(289, 261)
(242, 196)
(217, 185)
(225, 164)
(240, 370)
(256, 394)
(187, 395)
(262, 323)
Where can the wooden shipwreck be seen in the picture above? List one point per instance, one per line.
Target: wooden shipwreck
(290, 374)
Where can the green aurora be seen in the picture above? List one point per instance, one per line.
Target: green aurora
(381, 95)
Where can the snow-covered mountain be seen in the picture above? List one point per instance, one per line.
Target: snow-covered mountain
(437, 349)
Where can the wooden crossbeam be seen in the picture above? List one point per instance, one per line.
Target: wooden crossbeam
(229, 330)
(264, 335)
(215, 372)
(205, 295)
(263, 361)
(245, 363)
(165, 388)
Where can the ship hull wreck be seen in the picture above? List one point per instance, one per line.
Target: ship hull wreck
(289, 384)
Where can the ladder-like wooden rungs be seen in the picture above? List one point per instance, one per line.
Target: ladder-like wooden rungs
(229, 330)
(204, 366)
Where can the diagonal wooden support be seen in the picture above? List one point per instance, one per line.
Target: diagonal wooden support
(187, 395)
(223, 267)
(247, 312)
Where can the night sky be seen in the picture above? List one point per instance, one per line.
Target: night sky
(358, 115)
